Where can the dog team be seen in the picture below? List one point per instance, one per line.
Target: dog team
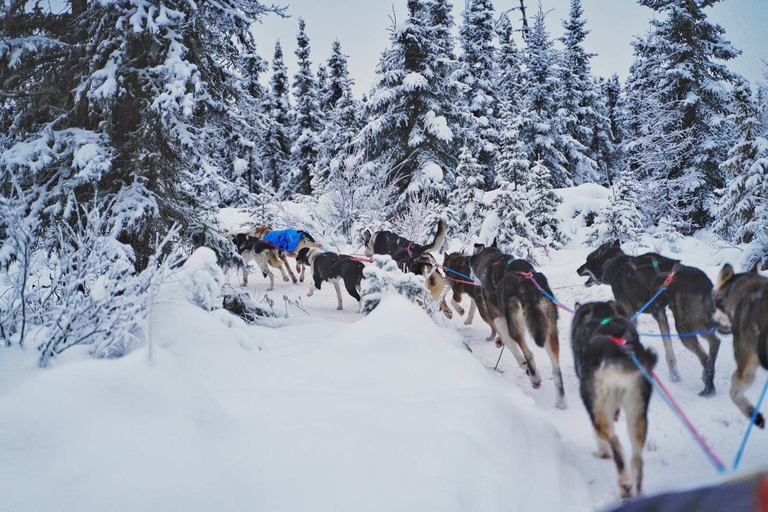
(513, 298)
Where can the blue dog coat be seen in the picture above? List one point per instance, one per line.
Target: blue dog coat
(286, 239)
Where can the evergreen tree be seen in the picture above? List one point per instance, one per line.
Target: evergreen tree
(513, 164)
(466, 198)
(322, 85)
(383, 277)
(540, 125)
(478, 76)
(742, 214)
(509, 79)
(516, 234)
(543, 203)
(407, 125)
(692, 103)
(276, 146)
(339, 81)
(607, 140)
(111, 101)
(578, 113)
(306, 140)
(620, 220)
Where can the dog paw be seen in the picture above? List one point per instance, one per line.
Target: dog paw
(491, 337)
(616, 415)
(536, 383)
(708, 391)
(285, 278)
(561, 404)
(626, 491)
(760, 421)
(340, 308)
(460, 311)
(602, 454)
(674, 376)
(448, 314)
(499, 344)
(467, 322)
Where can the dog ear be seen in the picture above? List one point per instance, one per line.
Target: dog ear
(577, 306)
(478, 248)
(756, 267)
(616, 244)
(725, 274)
(620, 309)
(494, 244)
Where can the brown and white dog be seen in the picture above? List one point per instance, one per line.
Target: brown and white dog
(265, 256)
(261, 231)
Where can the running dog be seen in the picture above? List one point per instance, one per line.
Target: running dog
(601, 337)
(288, 242)
(515, 303)
(263, 254)
(457, 276)
(406, 253)
(635, 279)
(331, 267)
(743, 298)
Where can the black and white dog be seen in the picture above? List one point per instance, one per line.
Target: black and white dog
(602, 337)
(253, 249)
(407, 254)
(332, 267)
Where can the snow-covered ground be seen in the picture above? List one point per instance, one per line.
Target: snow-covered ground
(333, 411)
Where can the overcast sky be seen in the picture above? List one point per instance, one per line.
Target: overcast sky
(361, 26)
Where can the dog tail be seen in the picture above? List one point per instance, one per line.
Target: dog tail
(439, 240)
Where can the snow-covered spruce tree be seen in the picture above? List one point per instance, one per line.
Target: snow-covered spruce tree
(667, 231)
(516, 234)
(276, 146)
(543, 203)
(477, 73)
(407, 125)
(342, 119)
(383, 277)
(607, 139)
(693, 105)
(465, 200)
(742, 214)
(621, 219)
(578, 114)
(306, 137)
(513, 164)
(509, 76)
(539, 130)
(114, 94)
(322, 85)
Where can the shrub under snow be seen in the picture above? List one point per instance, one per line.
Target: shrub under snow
(383, 277)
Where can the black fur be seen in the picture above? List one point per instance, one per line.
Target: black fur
(636, 279)
(408, 255)
(328, 266)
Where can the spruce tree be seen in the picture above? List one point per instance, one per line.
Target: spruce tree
(543, 203)
(478, 76)
(513, 164)
(578, 114)
(516, 234)
(742, 213)
(621, 219)
(466, 198)
(690, 53)
(408, 131)
(607, 139)
(276, 145)
(539, 130)
(322, 85)
(307, 126)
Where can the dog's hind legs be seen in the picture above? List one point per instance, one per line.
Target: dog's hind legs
(603, 423)
(692, 344)
(553, 351)
(742, 379)
(669, 354)
(472, 311)
(514, 347)
(303, 270)
(284, 259)
(455, 300)
(637, 424)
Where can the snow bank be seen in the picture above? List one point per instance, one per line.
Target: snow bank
(388, 413)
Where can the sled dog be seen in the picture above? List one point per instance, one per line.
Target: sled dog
(333, 268)
(635, 279)
(515, 304)
(407, 254)
(252, 249)
(288, 243)
(743, 299)
(601, 335)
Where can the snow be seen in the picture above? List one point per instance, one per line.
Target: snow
(432, 171)
(413, 81)
(332, 410)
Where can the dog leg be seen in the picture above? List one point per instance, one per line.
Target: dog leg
(311, 291)
(603, 423)
(692, 344)
(472, 310)
(553, 351)
(669, 354)
(483, 310)
(277, 263)
(742, 379)
(709, 369)
(284, 259)
(603, 448)
(338, 294)
(303, 269)
(511, 344)
(455, 302)
(263, 261)
(636, 408)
